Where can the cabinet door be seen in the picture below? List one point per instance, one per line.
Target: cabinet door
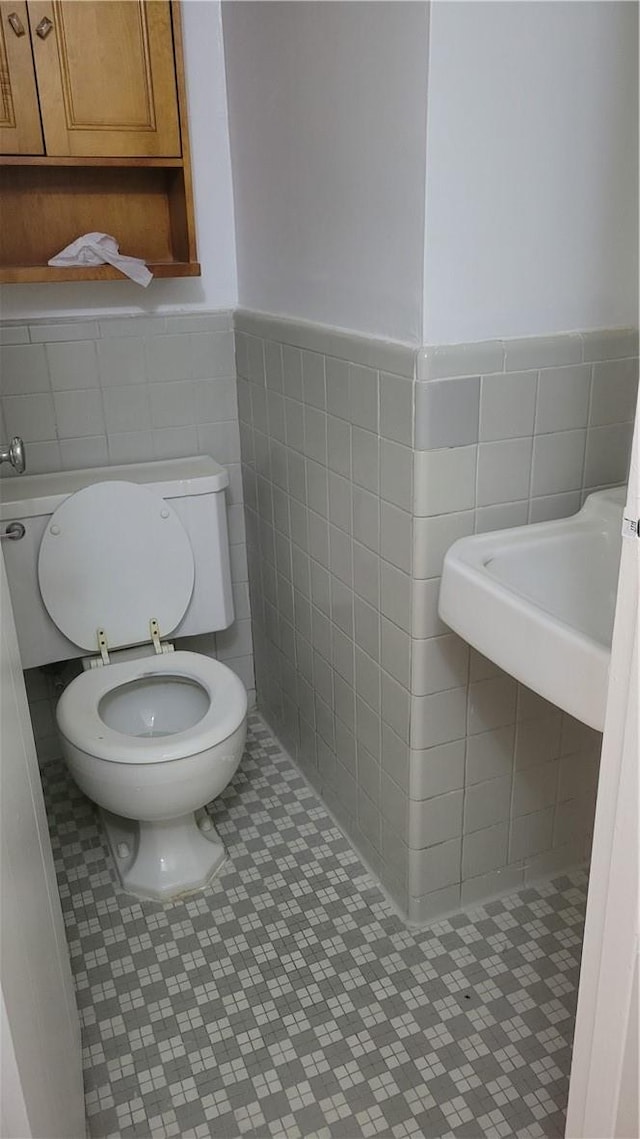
(106, 77)
(20, 130)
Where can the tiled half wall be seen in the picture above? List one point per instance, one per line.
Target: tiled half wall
(362, 461)
(88, 393)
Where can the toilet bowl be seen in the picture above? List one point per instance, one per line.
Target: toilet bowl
(151, 741)
(150, 734)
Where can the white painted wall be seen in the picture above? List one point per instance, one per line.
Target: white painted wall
(532, 169)
(327, 107)
(217, 287)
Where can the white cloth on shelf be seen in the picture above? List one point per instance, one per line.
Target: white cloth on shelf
(98, 249)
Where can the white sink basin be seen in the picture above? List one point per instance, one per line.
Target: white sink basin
(540, 600)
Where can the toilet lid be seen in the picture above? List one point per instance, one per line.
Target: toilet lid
(113, 556)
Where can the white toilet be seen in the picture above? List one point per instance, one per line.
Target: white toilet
(109, 567)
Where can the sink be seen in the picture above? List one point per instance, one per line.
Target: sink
(539, 601)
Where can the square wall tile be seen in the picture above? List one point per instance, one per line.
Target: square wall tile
(395, 536)
(485, 850)
(436, 770)
(432, 821)
(486, 804)
(31, 416)
(434, 868)
(444, 481)
(438, 719)
(172, 404)
(492, 704)
(365, 459)
(396, 474)
(535, 788)
(563, 398)
(425, 620)
(531, 834)
(337, 383)
(23, 368)
(502, 516)
(432, 538)
(615, 392)
(504, 470)
(557, 462)
(73, 365)
(607, 456)
(126, 408)
(490, 755)
(396, 408)
(363, 397)
(313, 386)
(446, 413)
(439, 663)
(122, 361)
(507, 405)
(90, 451)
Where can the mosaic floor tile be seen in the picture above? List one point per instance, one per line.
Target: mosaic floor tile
(289, 1001)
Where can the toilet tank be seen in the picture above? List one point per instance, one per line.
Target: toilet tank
(195, 489)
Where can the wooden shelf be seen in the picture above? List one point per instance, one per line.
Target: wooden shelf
(46, 160)
(125, 184)
(34, 274)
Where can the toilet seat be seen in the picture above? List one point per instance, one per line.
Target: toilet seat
(80, 722)
(115, 556)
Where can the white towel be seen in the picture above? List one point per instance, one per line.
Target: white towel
(98, 249)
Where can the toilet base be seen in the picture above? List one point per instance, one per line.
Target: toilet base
(164, 860)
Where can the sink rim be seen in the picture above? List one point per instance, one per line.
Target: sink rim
(557, 651)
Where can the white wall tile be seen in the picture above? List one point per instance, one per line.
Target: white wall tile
(557, 462)
(563, 398)
(615, 391)
(507, 405)
(439, 663)
(436, 770)
(425, 621)
(503, 471)
(531, 834)
(72, 365)
(535, 788)
(122, 362)
(485, 850)
(492, 704)
(486, 804)
(435, 820)
(396, 408)
(31, 416)
(126, 408)
(444, 481)
(396, 474)
(438, 719)
(23, 369)
(434, 868)
(432, 538)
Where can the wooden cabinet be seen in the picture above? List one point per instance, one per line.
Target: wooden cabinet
(106, 77)
(20, 130)
(93, 130)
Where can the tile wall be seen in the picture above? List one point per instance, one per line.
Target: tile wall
(453, 781)
(362, 461)
(85, 393)
(506, 432)
(326, 426)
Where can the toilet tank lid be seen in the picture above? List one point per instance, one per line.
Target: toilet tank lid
(27, 496)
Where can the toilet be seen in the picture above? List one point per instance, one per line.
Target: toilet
(123, 558)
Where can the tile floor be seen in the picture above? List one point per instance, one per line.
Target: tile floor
(289, 1000)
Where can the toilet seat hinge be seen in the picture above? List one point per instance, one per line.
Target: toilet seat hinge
(155, 635)
(103, 647)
